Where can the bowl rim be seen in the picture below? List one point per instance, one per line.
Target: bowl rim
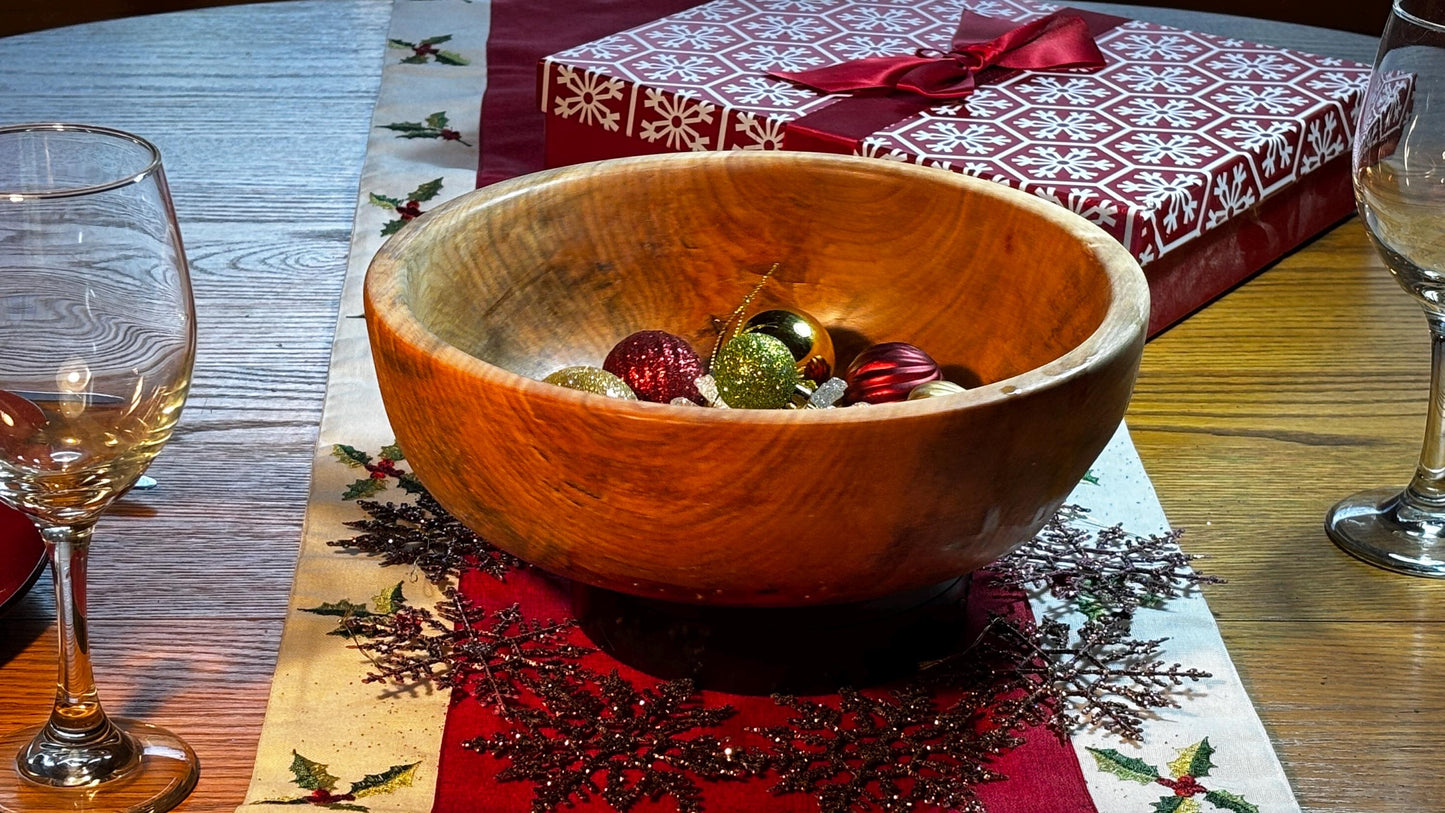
(1124, 321)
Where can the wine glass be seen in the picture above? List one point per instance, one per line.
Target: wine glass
(97, 336)
(1399, 173)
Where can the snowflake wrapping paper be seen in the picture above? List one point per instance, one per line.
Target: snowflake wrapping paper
(1174, 147)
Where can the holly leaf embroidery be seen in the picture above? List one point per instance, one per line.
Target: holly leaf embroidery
(392, 228)
(409, 129)
(436, 40)
(350, 455)
(388, 781)
(389, 600)
(399, 44)
(1128, 768)
(426, 191)
(1229, 801)
(437, 120)
(415, 59)
(1193, 760)
(1090, 607)
(311, 775)
(366, 486)
(410, 484)
(1176, 804)
(384, 202)
(392, 452)
(452, 58)
(342, 608)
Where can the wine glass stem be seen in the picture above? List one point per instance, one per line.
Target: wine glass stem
(77, 715)
(1426, 491)
(78, 746)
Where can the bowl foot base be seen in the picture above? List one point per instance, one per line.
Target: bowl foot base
(792, 650)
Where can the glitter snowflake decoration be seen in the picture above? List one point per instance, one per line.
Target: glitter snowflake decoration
(607, 738)
(1106, 572)
(423, 535)
(492, 658)
(1098, 677)
(893, 752)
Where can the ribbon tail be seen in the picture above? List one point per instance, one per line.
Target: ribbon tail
(977, 29)
(860, 74)
(1064, 43)
(1060, 40)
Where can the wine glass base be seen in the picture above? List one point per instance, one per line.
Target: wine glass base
(165, 775)
(1377, 527)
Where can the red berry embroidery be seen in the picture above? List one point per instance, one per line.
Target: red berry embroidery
(1185, 786)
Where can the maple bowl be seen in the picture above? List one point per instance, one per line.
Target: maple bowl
(474, 302)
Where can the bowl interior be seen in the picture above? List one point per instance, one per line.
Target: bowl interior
(553, 274)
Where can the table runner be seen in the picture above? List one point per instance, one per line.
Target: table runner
(332, 739)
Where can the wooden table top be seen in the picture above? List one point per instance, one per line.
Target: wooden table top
(1252, 417)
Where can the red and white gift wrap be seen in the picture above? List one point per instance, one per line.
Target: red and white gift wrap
(1206, 157)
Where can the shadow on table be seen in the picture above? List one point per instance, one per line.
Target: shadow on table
(21, 628)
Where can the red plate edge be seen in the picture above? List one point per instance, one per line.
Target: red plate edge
(22, 556)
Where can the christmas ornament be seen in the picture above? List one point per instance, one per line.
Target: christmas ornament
(804, 336)
(657, 365)
(808, 395)
(592, 379)
(828, 394)
(934, 389)
(707, 385)
(755, 371)
(888, 372)
(727, 330)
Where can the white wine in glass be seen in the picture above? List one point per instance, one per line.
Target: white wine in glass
(98, 332)
(1399, 173)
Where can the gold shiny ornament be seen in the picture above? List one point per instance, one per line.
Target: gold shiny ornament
(934, 389)
(755, 371)
(805, 337)
(592, 379)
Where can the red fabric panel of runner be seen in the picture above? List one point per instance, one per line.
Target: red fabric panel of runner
(1043, 774)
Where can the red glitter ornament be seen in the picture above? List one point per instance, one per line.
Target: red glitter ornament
(888, 372)
(657, 365)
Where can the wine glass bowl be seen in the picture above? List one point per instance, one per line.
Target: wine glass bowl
(99, 334)
(473, 303)
(1399, 179)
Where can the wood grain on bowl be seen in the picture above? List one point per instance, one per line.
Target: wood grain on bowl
(471, 303)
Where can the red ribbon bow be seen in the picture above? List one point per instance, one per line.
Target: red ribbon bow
(1060, 40)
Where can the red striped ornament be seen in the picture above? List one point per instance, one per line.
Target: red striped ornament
(888, 372)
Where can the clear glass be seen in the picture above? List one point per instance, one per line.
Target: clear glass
(98, 333)
(1399, 173)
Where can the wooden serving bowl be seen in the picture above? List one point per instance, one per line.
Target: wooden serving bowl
(472, 303)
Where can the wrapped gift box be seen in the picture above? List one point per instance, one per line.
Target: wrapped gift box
(1207, 157)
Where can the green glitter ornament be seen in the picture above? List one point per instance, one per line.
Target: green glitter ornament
(592, 379)
(755, 371)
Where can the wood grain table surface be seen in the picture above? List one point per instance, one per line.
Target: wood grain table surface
(1252, 416)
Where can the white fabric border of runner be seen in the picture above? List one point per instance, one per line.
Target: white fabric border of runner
(319, 707)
